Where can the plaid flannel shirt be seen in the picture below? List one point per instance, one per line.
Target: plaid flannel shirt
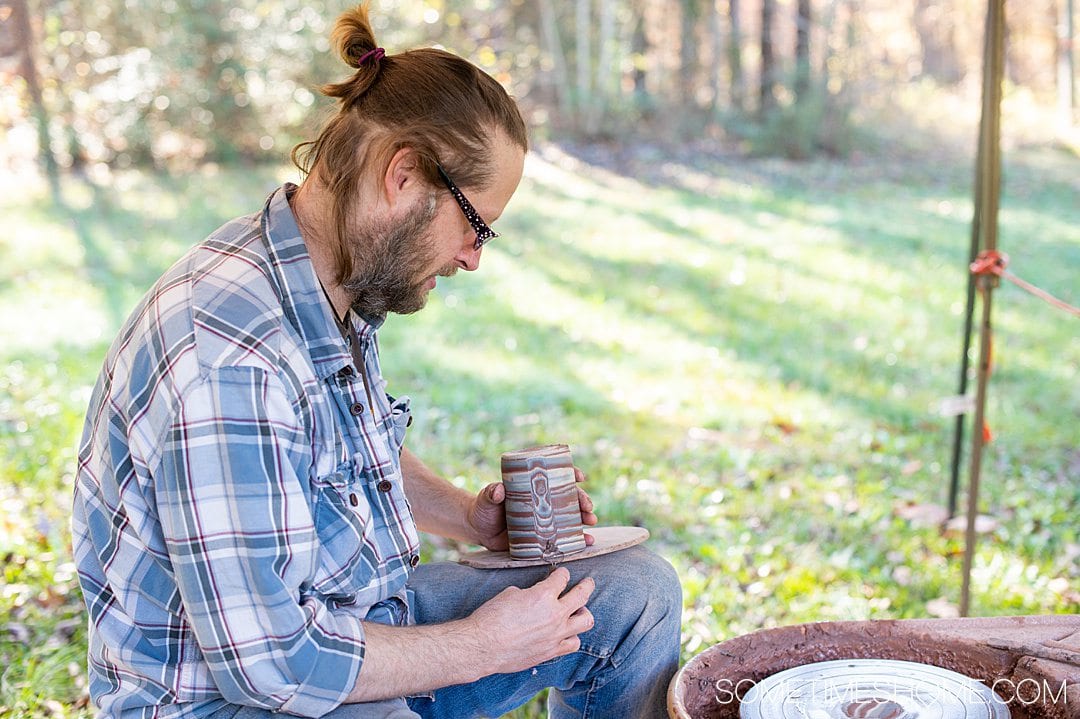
(239, 505)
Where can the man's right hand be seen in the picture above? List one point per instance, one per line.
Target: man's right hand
(524, 627)
(514, 630)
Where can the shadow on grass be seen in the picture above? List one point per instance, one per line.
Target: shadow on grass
(130, 237)
(1040, 203)
(794, 342)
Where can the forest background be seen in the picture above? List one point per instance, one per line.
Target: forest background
(733, 280)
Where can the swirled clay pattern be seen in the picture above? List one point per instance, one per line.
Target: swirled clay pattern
(543, 518)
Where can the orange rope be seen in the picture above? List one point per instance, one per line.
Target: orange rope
(993, 262)
(989, 262)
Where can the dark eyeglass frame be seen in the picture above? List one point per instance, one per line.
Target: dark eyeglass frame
(484, 234)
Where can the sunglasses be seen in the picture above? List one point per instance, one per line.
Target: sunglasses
(483, 233)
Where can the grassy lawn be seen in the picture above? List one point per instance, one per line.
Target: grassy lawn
(745, 356)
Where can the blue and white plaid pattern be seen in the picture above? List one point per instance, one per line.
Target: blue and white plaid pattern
(239, 505)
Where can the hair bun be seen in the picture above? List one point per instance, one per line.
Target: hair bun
(352, 36)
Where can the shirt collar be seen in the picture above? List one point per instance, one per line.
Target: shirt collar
(302, 297)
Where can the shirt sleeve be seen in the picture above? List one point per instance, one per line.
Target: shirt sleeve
(232, 498)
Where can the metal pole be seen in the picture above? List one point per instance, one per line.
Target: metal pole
(989, 190)
(981, 159)
(965, 349)
(985, 290)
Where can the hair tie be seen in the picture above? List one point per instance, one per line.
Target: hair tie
(373, 55)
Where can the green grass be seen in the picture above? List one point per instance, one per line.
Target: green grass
(745, 356)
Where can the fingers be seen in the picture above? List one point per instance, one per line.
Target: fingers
(589, 539)
(581, 621)
(576, 597)
(588, 518)
(556, 581)
(569, 645)
(579, 476)
(584, 501)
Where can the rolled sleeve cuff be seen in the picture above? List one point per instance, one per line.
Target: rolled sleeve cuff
(334, 669)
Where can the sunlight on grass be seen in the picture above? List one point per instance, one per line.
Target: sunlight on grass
(746, 358)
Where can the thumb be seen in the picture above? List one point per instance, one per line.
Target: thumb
(492, 495)
(487, 510)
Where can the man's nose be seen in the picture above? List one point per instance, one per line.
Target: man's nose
(469, 257)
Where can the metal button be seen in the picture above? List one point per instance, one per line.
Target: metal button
(414, 560)
(354, 500)
(356, 408)
(384, 486)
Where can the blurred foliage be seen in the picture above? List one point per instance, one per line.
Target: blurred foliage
(129, 83)
(137, 82)
(744, 353)
(745, 356)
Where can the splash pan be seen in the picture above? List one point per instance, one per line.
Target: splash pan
(1032, 663)
(870, 689)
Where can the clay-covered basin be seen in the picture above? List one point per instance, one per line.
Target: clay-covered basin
(1033, 663)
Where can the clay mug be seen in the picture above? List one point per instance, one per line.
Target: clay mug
(543, 517)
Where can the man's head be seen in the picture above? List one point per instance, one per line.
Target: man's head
(407, 127)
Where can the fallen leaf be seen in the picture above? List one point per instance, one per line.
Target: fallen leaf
(984, 524)
(902, 575)
(19, 632)
(942, 608)
(785, 426)
(911, 467)
(68, 627)
(923, 515)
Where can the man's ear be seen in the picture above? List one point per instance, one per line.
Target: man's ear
(403, 181)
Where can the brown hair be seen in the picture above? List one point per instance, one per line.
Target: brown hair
(440, 105)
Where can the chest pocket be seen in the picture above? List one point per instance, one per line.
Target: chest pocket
(399, 421)
(350, 561)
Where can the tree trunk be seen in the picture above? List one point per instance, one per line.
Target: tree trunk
(24, 42)
(549, 25)
(639, 50)
(716, 42)
(766, 99)
(802, 49)
(583, 58)
(606, 71)
(1066, 62)
(734, 53)
(937, 36)
(688, 53)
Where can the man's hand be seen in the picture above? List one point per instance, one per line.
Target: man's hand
(524, 627)
(514, 630)
(487, 516)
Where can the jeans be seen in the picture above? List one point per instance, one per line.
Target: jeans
(622, 669)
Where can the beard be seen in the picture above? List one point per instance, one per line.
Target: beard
(389, 259)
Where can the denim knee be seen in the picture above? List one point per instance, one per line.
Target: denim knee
(637, 599)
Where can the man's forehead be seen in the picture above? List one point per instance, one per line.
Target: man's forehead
(509, 161)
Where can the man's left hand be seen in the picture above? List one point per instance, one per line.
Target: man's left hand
(487, 517)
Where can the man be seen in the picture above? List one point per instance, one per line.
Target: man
(246, 513)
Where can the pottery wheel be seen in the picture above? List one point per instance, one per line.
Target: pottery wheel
(871, 689)
(608, 539)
